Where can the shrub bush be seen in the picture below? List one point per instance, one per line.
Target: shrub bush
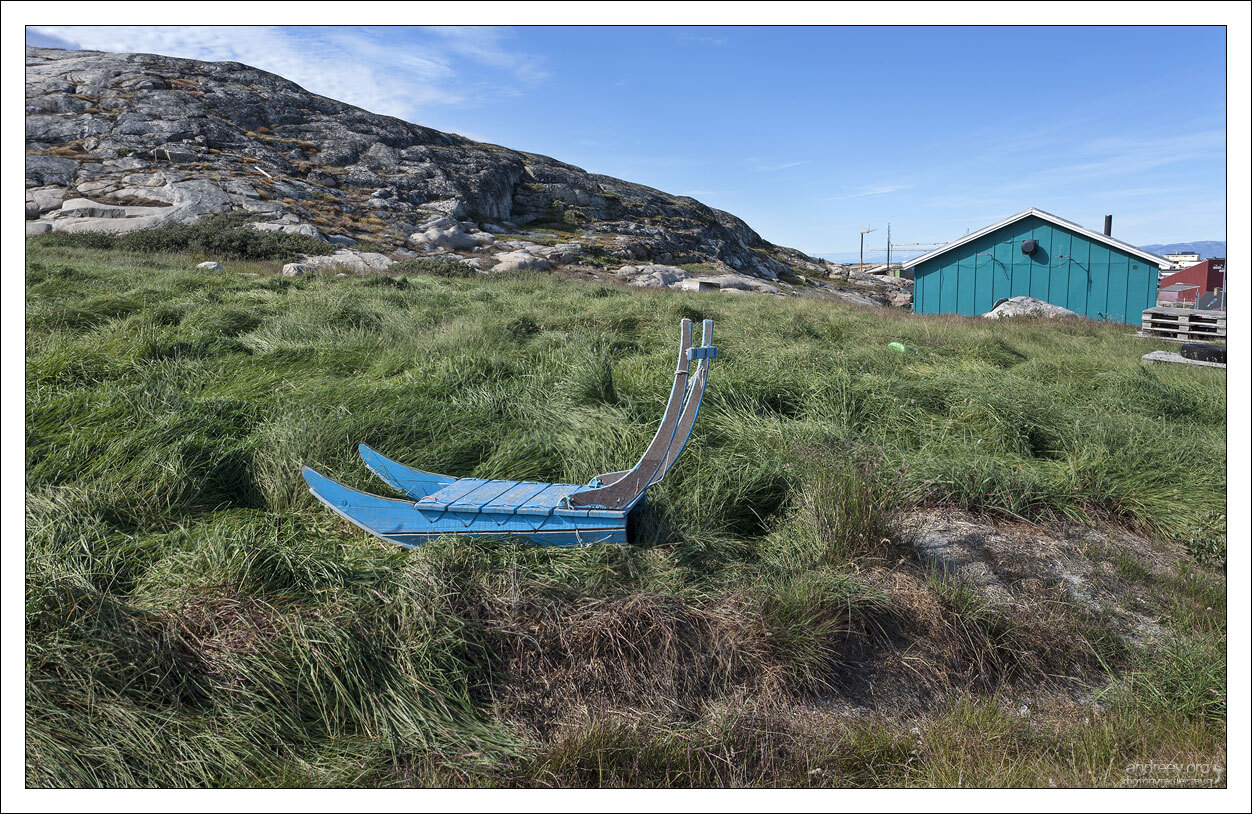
(217, 235)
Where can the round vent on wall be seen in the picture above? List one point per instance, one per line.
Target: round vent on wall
(1029, 246)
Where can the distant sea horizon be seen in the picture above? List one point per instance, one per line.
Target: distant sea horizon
(897, 256)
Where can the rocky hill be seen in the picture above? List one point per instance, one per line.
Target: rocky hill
(117, 142)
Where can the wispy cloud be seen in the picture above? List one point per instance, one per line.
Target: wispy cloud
(703, 39)
(489, 46)
(1063, 160)
(758, 166)
(43, 40)
(865, 192)
(1121, 156)
(398, 72)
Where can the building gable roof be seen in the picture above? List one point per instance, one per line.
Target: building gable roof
(1048, 216)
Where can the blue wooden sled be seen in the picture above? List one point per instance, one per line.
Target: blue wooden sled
(545, 513)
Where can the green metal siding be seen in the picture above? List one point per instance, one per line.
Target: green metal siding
(1068, 269)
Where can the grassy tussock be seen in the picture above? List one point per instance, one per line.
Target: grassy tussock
(843, 511)
(195, 619)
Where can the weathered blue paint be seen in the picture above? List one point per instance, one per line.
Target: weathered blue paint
(545, 513)
(1068, 269)
(408, 523)
(413, 482)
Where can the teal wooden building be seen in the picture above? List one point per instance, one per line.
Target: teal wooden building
(1036, 254)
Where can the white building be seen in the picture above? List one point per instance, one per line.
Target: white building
(1183, 260)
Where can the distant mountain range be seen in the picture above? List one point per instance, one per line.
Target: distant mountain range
(1204, 248)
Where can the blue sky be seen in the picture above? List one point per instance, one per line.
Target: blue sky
(808, 134)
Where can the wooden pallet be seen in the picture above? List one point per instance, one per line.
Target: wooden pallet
(1187, 324)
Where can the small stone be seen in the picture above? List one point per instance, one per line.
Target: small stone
(209, 265)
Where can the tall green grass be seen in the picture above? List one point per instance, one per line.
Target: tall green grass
(195, 618)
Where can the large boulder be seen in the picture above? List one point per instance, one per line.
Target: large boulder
(901, 299)
(344, 259)
(658, 276)
(520, 261)
(728, 283)
(564, 253)
(187, 201)
(1027, 307)
(86, 215)
(87, 208)
(446, 233)
(44, 199)
(742, 283)
(697, 284)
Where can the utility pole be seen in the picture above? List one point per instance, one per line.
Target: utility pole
(865, 232)
(922, 247)
(888, 247)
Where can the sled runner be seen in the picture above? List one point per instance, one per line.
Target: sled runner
(546, 513)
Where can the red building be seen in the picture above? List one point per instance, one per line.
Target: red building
(1206, 278)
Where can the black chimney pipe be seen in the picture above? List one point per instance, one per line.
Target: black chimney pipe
(1108, 225)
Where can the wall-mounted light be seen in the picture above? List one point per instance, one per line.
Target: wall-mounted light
(1029, 246)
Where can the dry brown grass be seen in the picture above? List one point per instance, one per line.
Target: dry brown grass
(649, 653)
(221, 624)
